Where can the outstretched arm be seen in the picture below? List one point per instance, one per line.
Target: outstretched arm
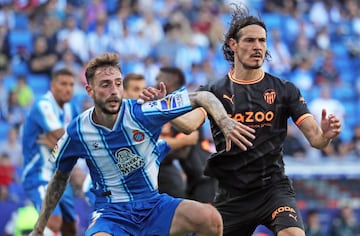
(54, 192)
(319, 136)
(232, 130)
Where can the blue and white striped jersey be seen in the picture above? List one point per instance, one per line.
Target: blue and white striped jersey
(123, 161)
(44, 116)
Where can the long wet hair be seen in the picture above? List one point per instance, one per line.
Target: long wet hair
(240, 18)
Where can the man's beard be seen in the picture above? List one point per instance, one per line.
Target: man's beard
(102, 106)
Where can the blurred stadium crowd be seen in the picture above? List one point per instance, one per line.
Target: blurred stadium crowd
(315, 44)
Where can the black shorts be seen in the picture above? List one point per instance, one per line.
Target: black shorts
(273, 206)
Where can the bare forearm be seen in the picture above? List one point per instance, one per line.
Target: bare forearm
(210, 103)
(190, 121)
(54, 192)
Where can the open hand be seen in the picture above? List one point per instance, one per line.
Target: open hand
(331, 125)
(151, 93)
(237, 133)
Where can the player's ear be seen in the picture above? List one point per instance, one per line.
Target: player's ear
(232, 44)
(89, 90)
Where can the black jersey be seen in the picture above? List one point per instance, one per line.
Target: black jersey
(265, 105)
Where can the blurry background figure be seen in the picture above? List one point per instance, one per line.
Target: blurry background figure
(181, 172)
(12, 146)
(312, 224)
(345, 224)
(22, 221)
(24, 93)
(134, 84)
(42, 59)
(7, 173)
(4, 94)
(15, 114)
(294, 145)
(354, 146)
(333, 106)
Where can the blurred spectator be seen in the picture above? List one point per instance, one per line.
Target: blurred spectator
(312, 224)
(280, 62)
(303, 46)
(354, 145)
(327, 72)
(22, 221)
(7, 16)
(128, 48)
(116, 22)
(7, 174)
(5, 48)
(42, 59)
(12, 147)
(72, 62)
(293, 145)
(14, 112)
(48, 28)
(24, 93)
(167, 49)
(150, 26)
(302, 75)
(74, 38)
(149, 67)
(4, 94)
(95, 10)
(196, 77)
(332, 106)
(345, 224)
(98, 40)
(134, 84)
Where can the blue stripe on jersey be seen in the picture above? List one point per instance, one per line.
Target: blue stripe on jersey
(124, 160)
(45, 116)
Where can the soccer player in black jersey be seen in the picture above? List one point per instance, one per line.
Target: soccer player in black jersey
(253, 187)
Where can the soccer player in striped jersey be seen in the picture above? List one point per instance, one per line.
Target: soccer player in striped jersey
(119, 140)
(49, 116)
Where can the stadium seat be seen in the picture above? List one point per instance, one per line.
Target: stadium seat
(4, 127)
(7, 208)
(9, 82)
(40, 84)
(20, 38)
(21, 21)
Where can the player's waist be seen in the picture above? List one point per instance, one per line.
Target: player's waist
(125, 197)
(262, 181)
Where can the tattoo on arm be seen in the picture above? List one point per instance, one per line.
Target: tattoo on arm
(210, 103)
(54, 192)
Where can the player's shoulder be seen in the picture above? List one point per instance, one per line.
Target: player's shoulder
(79, 121)
(277, 79)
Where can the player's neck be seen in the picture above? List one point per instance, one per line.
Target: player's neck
(247, 74)
(103, 119)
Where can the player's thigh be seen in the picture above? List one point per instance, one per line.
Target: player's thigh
(292, 231)
(101, 234)
(191, 216)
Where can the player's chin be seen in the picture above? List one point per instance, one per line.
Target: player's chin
(112, 110)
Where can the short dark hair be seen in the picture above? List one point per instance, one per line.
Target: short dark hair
(131, 77)
(175, 71)
(62, 71)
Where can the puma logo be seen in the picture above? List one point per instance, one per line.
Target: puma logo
(231, 99)
(292, 216)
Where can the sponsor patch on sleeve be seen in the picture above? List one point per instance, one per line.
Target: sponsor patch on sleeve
(55, 150)
(170, 102)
